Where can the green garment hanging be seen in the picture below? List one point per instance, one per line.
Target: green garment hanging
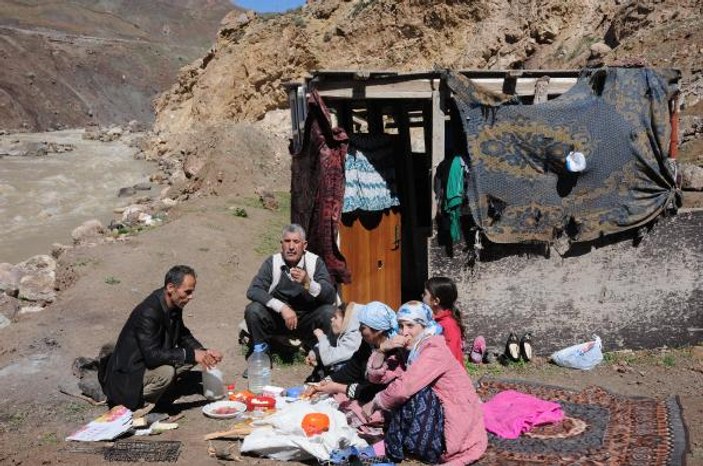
(454, 197)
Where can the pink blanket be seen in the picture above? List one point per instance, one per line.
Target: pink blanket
(511, 413)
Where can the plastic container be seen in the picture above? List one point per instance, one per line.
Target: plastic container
(213, 386)
(273, 392)
(261, 403)
(259, 369)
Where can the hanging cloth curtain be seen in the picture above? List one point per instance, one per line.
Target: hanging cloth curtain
(317, 186)
(368, 186)
(454, 197)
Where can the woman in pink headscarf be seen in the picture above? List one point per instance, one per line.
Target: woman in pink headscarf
(433, 411)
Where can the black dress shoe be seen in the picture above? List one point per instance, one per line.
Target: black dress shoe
(512, 348)
(526, 347)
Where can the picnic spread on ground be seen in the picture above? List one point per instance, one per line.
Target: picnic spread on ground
(526, 422)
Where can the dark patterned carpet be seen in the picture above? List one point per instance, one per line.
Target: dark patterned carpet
(600, 428)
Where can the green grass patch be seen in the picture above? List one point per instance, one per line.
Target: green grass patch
(291, 359)
(12, 421)
(669, 360)
(239, 212)
(82, 262)
(112, 280)
(270, 241)
(49, 438)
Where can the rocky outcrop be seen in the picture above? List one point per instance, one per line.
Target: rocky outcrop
(32, 280)
(691, 177)
(241, 77)
(91, 231)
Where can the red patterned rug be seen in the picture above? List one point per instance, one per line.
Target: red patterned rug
(600, 428)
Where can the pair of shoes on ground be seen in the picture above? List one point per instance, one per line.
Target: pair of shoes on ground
(516, 349)
(478, 350)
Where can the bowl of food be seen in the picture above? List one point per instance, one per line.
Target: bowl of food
(224, 409)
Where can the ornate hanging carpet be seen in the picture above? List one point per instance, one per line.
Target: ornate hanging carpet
(600, 428)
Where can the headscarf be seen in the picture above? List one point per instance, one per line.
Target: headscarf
(378, 316)
(420, 313)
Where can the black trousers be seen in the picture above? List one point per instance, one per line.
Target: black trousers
(263, 323)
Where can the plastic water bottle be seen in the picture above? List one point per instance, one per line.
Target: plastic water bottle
(259, 368)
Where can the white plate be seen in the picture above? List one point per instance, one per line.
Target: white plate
(236, 407)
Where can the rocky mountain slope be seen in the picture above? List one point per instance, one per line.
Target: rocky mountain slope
(72, 63)
(240, 78)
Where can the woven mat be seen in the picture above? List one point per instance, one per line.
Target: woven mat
(600, 428)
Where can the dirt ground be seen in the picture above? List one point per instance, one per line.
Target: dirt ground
(107, 281)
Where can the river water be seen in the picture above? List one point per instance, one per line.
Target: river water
(42, 199)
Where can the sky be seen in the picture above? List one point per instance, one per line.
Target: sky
(268, 6)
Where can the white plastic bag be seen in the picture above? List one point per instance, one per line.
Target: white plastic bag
(282, 438)
(584, 356)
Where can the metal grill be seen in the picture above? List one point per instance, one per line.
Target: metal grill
(145, 451)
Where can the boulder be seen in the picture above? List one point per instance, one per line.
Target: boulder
(58, 249)
(30, 309)
(4, 321)
(9, 279)
(267, 198)
(135, 127)
(144, 186)
(193, 165)
(600, 50)
(126, 192)
(691, 177)
(9, 307)
(38, 286)
(91, 231)
(131, 214)
(37, 264)
(38, 278)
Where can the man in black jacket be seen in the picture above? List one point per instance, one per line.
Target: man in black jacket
(155, 346)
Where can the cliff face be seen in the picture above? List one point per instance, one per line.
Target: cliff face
(240, 78)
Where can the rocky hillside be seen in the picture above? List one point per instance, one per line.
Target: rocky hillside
(72, 63)
(240, 78)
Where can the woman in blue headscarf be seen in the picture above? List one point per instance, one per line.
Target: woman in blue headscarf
(365, 375)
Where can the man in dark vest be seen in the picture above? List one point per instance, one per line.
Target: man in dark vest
(291, 295)
(155, 346)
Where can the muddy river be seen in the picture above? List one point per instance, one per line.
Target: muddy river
(42, 199)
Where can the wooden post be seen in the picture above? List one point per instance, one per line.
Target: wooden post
(674, 112)
(437, 145)
(510, 82)
(346, 120)
(374, 113)
(541, 90)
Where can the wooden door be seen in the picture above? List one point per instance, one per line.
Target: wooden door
(371, 244)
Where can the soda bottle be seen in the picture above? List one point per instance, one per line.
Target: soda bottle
(259, 368)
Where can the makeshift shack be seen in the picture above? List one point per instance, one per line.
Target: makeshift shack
(529, 188)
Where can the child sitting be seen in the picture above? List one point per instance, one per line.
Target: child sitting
(441, 295)
(330, 354)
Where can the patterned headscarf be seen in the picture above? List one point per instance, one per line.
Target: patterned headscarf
(420, 313)
(378, 316)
